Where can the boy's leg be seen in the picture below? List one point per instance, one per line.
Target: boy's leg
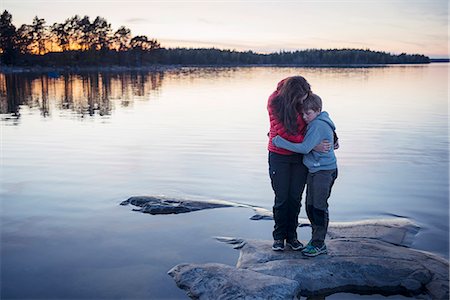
(322, 182)
(322, 217)
(309, 204)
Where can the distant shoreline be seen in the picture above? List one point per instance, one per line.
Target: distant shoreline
(439, 60)
(161, 68)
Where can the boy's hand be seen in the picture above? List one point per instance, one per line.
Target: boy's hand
(275, 140)
(323, 147)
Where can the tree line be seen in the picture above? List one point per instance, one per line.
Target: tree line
(80, 41)
(30, 43)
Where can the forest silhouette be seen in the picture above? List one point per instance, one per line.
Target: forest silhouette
(79, 42)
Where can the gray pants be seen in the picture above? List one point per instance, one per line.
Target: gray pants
(318, 191)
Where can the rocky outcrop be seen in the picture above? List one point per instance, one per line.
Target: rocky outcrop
(364, 257)
(377, 264)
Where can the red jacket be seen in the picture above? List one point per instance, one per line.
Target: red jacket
(277, 128)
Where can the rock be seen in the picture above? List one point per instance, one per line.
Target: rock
(218, 281)
(363, 257)
(158, 205)
(164, 205)
(237, 243)
(398, 231)
(366, 257)
(261, 214)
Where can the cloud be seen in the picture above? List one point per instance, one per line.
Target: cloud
(136, 21)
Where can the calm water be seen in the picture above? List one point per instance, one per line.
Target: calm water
(73, 147)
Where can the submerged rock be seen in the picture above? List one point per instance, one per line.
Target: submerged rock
(355, 263)
(163, 205)
(160, 205)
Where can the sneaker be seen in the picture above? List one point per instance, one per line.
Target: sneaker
(295, 244)
(311, 250)
(278, 245)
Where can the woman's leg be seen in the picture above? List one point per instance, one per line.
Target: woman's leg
(298, 177)
(279, 170)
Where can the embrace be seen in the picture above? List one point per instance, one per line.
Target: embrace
(301, 148)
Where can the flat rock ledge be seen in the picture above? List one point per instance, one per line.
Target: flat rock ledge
(353, 265)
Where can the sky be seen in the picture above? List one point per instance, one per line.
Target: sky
(394, 26)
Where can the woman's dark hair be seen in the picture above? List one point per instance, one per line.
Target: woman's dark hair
(288, 104)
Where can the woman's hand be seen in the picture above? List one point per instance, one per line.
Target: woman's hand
(336, 140)
(324, 146)
(336, 144)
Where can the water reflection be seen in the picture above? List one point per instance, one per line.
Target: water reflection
(83, 94)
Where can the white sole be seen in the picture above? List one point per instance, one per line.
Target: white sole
(277, 249)
(295, 249)
(314, 255)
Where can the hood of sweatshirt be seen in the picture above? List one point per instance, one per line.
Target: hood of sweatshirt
(323, 116)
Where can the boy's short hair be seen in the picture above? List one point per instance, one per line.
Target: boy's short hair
(313, 102)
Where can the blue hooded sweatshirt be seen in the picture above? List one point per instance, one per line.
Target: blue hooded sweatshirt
(321, 128)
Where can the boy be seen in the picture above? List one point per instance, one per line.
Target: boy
(322, 169)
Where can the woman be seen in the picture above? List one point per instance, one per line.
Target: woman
(287, 172)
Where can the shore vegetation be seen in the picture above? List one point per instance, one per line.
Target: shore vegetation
(83, 42)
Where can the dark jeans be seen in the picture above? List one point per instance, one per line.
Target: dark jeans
(288, 177)
(317, 194)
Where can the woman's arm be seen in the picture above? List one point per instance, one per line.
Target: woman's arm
(281, 142)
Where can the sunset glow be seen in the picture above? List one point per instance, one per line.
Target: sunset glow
(264, 26)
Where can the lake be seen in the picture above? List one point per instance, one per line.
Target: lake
(74, 146)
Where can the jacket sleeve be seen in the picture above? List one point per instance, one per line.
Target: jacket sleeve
(312, 138)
